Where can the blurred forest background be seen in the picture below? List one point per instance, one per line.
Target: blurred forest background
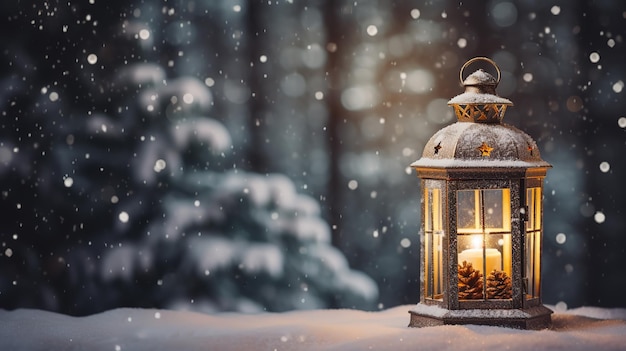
(253, 155)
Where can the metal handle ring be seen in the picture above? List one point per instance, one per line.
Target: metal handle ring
(480, 58)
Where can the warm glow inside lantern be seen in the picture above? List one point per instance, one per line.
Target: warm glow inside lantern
(482, 185)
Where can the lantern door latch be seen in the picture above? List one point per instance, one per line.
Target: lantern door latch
(523, 211)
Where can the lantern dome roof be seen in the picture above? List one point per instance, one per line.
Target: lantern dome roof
(479, 138)
(468, 144)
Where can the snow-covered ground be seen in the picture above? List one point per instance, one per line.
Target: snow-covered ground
(144, 329)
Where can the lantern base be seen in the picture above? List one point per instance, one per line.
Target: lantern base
(534, 318)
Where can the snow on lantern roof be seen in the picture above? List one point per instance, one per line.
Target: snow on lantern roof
(481, 77)
(480, 88)
(480, 145)
(476, 98)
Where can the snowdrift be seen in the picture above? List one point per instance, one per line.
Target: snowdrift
(145, 329)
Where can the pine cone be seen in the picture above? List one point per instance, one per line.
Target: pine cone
(498, 285)
(470, 282)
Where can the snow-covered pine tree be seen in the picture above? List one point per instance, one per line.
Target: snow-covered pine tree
(221, 240)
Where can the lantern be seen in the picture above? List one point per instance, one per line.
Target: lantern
(481, 231)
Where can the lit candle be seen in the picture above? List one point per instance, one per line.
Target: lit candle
(475, 257)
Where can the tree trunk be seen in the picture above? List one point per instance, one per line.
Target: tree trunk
(334, 48)
(255, 150)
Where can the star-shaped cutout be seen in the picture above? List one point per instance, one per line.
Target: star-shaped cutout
(485, 150)
(437, 148)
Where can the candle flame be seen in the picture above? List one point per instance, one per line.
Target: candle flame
(477, 241)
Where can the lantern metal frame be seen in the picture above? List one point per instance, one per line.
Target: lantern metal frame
(480, 153)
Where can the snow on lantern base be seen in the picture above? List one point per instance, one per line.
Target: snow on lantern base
(535, 318)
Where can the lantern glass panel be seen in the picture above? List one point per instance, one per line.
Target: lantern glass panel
(483, 210)
(484, 235)
(433, 237)
(533, 242)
